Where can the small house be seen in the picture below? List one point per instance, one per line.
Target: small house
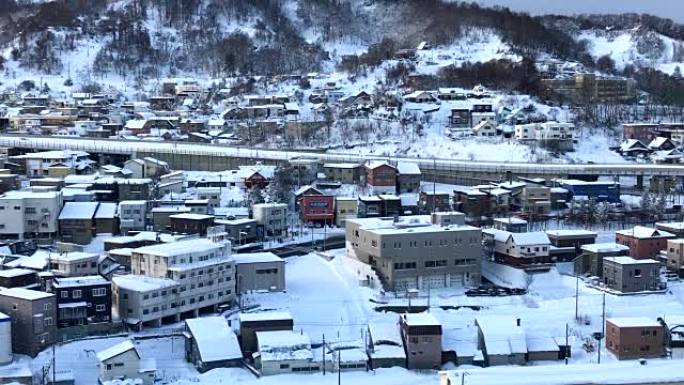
(123, 361)
(211, 344)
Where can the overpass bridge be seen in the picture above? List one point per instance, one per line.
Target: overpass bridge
(214, 157)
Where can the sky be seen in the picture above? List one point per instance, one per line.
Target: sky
(673, 9)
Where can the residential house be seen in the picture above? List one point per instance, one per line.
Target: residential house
(345, 208)
(422, 337)
(76, 222)
(259, 272)
(132, 215)
(643, 242)
(73, 263)
(661, 144)
(536, 199)
(385, 346)
(161, 216)
(271, 217)
(18, 277)
(370, 207)
(260, 321)
(25, 214)
(473, 203)
(408, 177)
(675, 256)
(633, 147)
(123, 361)
(510, 224)
(381, 177)
(635, 337)
(189, 223)
(502, 340)
(347, 173)
(629, 275)
(676, 228)
(590, 260)
(240, 231)
(37, 164)
(485, 128)
(518, 249)
(567, 244)
(82, 300)
(106, 219)
(34, 318)
(284, 351)
(211, 344)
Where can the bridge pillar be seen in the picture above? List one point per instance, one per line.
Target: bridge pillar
(640, 182)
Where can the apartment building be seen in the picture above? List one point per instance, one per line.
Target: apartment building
(73, 263)
(259, 271)
(38, 163)
(381, 177)
(34, 317)
(83, 300)
(635, 337)
(26, 214)
(77, 222)
(412, 252)
(272, 217)
(643, 242)
(536, 199)
(421, 334)
(172, 279)
(675, 256)
(518, 249)
(585, 87)
(132, 215)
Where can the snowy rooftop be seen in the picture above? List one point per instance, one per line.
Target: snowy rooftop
(142, 283)
(14, 194)
(191, 216)
(80, 281)
(408, 168)
(265, 316)
(628, 372)
(78, 210)
(532, 238)
(571, 233)
(30, 295)
(116, 350)
(671, 225)
(629, 260)
(645, 232)
(284, 345)
(511, 221)
(263, 257)
(502, 335)
(604, 247)
(72, 256)
(420, 319)
(107, 210)
(215, 340)
(634, 322)
(197, 245)
(11, 273)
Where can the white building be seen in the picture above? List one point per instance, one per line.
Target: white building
(24, 213)
(37, 163)
(272, 216)
(123, 362)
(132, 215)
(73, 263)
(549, 131)
(5, 339)
(173, 278)
(284, 351)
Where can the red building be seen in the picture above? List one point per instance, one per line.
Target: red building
(381, 177)
(317, 209)
(643, 242)
(255, 179)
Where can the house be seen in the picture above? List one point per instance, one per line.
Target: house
(262, 271)
(590, 260)
(82, 300)
(73, 263)
(420, 97)
(317, 209)
(501, 340)
(676, 228)
(211, 344)
(347, 173)
(644, 132)
(38, 164)
(661, 144)
(635, 337)
(271, 218)
(381, 177)
(18, 277)
(76, 222)
(34, 319)
(485, 128)
(601, 191)
(189, 223)
(674, 335)
(284, 351)
(385, 346)
(123, 361)
(518, 249)
(27, 213)
(106, 220)
(567, 244)
(629, 275)
(675, 256)
(252, 323)
(421, 334)
(370, 207)
(161, 216)
(643, 242)
(408, 177)
(633, 147)
(132, 215)
(345, 208)
(535, 199)
(510, 224)
(474, 203)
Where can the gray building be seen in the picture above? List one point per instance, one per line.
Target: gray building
(34, 319)
(240, 231)
(259, 271)
(414, 252)
(408, 177)
(629, 275)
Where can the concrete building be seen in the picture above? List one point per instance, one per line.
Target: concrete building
(422, 337)
(27, 214)
(73, 263)
(240, 231)
(635, 337)
(34, 319)
(412, 252)
(347, 173)
(272, 217)
(132, 216)
(211, 344)
(77, 222)
(385, 346)
(586, 87)
(83, 300)
(408, 177)
(189, 223)
(123, 361)
(38, 163)
(259, 271)
(590, 260)
(675, 256)
(284, 351)
(345, 208)
(629, 275)
(643, 242)
(510, 224)
(536, 200)
(161, 216)
(175, 279)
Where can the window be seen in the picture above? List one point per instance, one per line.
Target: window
(64, 294)
(48, 321)
(99, 307)
(99, 292)
(30, 210)
(46, 306)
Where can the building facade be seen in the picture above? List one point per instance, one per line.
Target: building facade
(34, 319)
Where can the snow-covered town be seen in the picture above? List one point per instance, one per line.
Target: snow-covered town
(340, 191)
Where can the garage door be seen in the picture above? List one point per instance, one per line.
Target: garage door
(434, 281)
(403, 284)
(456, 280)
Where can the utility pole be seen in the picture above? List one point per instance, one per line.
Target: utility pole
(567, 332)
(434, 185)
(576, 298)
(324, 354)
(428, 302)
(54, 361)
(339, 366)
